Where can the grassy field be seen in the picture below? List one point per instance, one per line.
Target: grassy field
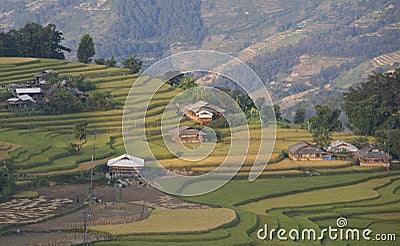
(174, 221)
(25, 195)
(16, 60)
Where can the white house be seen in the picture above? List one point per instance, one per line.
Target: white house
(124, 165)
(341, 146)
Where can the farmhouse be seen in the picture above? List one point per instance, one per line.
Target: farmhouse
(304, 151)
(341, 147)
(186, 134)
(20, 101)
(372, 156)
(124, 165)
(40, 78)
(203, 112)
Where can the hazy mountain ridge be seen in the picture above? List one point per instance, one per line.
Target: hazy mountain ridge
(119, 27)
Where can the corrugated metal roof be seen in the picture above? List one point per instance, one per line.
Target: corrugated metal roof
(26, 98)
(203, 105)
(126, 160)
(337, 145)
(28, 90)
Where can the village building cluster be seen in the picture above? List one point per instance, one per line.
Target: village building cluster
(26, 95)
(370, 155)
(201, 112)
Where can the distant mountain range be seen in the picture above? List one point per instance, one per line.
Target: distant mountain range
(305, 51)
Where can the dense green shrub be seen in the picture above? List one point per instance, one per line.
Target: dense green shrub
(7, 185)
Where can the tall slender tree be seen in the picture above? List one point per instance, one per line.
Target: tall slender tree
(80, 133)
(300, 115)
(86, 49)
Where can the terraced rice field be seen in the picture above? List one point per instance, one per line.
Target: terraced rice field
(365, 200)
(174, 221)
(306, 194)
(44, 149)
(386, 60)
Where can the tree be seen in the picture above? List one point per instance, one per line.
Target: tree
(360, 142)
(86, 49)
(277, 110)
(134, 64)
(7, 185)
(373, 109)
(80, 133)
(111, 62)
(323, 123)
(300, 115)
(33, 40)
(187, 83)
(374, 105)
(100, 101)
(62, 102)
(100, 61)
(389, 140)
(81, 84)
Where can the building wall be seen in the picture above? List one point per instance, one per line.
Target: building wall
(374, 163)
(192, 116)
(306, 157)
(186, 139)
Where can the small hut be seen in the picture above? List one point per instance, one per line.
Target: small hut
(186, 134)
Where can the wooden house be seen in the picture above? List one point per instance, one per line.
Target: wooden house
(372, 156)
(203, 112)
(304, 151)
(186, 134)
(124, 165)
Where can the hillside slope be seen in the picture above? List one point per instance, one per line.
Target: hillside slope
(295, 46)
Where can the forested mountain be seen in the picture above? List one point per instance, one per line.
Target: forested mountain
(305, 51)
(119, 27)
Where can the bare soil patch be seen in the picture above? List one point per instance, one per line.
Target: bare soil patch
(137, 204)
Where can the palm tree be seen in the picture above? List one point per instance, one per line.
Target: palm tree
(134, 64)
